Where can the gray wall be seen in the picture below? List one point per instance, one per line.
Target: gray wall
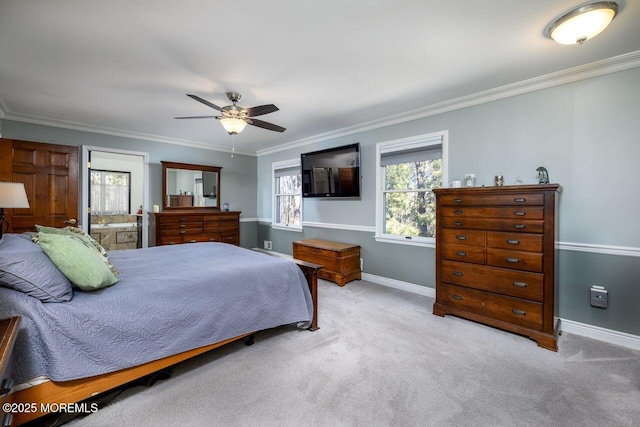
(237, 179)
(585, 133)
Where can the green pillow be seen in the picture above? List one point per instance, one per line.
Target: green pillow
(80, 264)
(86, 239)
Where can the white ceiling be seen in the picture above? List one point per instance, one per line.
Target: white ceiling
(124, 67)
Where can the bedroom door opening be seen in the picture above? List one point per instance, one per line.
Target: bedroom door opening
(115, 197)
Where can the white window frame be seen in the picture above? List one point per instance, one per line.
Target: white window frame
(441, 137)
(102, 185)
(285, 164)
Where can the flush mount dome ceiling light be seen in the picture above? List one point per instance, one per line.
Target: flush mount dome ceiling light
(583, 23)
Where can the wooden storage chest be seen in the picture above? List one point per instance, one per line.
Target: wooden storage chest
(495, 258)
(340, 261)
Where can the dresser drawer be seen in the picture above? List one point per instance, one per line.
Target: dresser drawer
(515, 225)
(526, 199)
(522, 212)
(464, 253)
(521, 284)
(181, 226)
(179, 219)
(463, 237)
(528, 261)
(515, 241)
(181, 232)
(508, 309)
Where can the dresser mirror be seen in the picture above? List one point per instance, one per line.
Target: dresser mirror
(187, 186)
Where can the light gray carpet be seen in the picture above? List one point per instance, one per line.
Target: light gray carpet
(382, 359)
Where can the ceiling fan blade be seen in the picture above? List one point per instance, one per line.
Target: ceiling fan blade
(265, 125)
(197, 117)
(205, 102)
(260, 110)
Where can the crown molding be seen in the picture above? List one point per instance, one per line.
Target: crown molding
(32, 119)
(570, 75)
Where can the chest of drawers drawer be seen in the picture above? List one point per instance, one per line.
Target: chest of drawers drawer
(515, 241)
(520, 199)
(521, 284)
(528, 261)
(517, 212)
(463, 237)
(501, 307)
(475, 223)
(472, 254)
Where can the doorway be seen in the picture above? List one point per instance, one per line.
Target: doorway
(115, 197)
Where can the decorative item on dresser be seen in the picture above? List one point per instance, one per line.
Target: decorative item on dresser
(174, 227)
(495, 258)
(8, 334)
(340, 261)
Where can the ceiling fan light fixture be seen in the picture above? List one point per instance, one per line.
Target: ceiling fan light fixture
(583, 23)
(233, 125)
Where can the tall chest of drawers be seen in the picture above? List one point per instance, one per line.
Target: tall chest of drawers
(173, 227)
(495, 258)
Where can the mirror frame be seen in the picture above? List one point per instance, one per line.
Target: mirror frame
(188, 166)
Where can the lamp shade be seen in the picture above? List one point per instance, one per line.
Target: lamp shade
(13, 195)
(583, 23)
(233, 125)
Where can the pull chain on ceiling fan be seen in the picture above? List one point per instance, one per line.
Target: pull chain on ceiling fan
(234, 118)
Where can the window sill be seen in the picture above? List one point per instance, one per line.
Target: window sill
(431, 243)
(287, 227)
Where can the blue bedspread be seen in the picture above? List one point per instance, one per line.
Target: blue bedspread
(169, 299)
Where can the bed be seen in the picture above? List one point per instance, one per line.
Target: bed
(169, 304)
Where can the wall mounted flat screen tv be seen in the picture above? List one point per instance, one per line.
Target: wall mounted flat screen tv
(334, 172)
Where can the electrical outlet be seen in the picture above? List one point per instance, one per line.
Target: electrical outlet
(599, 296)
(267, 244)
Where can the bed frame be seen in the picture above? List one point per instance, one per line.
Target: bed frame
(74, 391)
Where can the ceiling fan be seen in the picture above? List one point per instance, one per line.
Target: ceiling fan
(234, 118)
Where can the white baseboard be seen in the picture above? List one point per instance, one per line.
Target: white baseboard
(597, 333)
(570, 326)
(398, 284)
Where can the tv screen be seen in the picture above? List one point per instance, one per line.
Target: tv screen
(334, 172)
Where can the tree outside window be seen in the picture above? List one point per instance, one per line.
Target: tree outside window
(408, 171)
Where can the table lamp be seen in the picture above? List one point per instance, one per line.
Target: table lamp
(12, 195)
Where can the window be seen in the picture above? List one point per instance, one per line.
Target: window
(407, 171)
(287, 195)
(110, 192)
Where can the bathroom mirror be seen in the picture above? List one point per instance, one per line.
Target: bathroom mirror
(187, 186)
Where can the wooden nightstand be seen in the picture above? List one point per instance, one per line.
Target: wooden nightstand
(340, 261)
(8, 333)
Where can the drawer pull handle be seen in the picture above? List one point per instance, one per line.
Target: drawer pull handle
(520, 226)
(457, 273)
(456, 297)
(520, 213)
(513, 242)
(182, 226)
(520, 200)
(183, 219)
(182, 231)
(513, 260)
(518, 312)
(460, 253)
(457, 212)
(457, 200)
(461, 237)
(458, 223)
(519, 284)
